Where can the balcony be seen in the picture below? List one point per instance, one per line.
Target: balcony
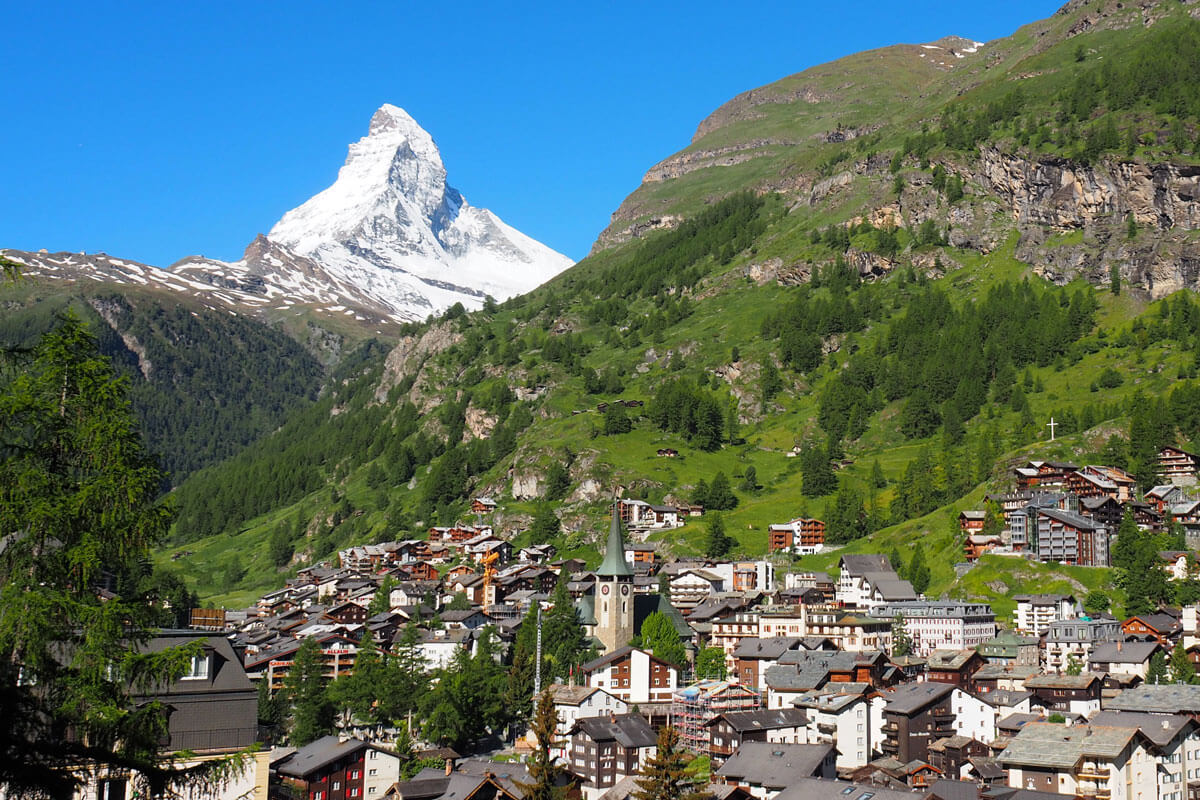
(826, 727)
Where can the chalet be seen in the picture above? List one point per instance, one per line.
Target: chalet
(371, 557)
(1161, 498)
(1074, 639)
(690, 587)
(916, 716)
(867, 581)
(1124, 483)
(420, 571)
(801, 536)
(1176, 563)
(1074, 694)
(347, 613)
(835, 714)
(948, 756)
(955, 667)
(753, 655)
(693, 706)
(1123, 658)
(1164, 629)
(603, 750)
(1084, 484)
(483, 505)
(633, 675)
(690, 509)
(977, 544)
(573, 703)
(1178, 467)
(332, 768)
(1071, 539)
(799, 671)
(1103, 510)
(1080, 761)
(537, 553)
(1011, 649)
(1044, 474)
(971, 521)
(732, 729)
(667, 452)
(768, 768)
(641, 553)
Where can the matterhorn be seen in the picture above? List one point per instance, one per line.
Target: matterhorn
(390, 240)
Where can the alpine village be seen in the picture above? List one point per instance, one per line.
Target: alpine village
(859, 459)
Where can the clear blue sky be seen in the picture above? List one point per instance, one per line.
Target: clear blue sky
(153, 131)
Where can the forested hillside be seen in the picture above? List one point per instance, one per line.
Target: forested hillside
(869, 318)
(203, 384)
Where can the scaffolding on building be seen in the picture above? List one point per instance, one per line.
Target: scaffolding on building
(695, 705)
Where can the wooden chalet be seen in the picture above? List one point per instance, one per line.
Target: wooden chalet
(1178, 467)
(1044, 474)
(483, 505)
(971, 521)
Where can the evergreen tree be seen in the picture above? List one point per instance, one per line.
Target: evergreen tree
(545, 525)
(664, 776)
(902, 643)
(616, 421)
(750, 480)
(846, 519)
(878, 479)
(1181, 668)
(1157, 673)
(771, 383)
(918, 572)
(563, 642)
(354, 693)
(311, 710)
(720, 495)
(1114, 275)
(718, 543)
(660, 638)
(546, 776)
(558, 481)
(381, 601)
(81, 509)
(816, 473)
(897, 561)
(710, 664)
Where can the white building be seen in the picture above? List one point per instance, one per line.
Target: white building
(633, 676)
(1035, 612)
(851, 721)
(942, 625)
(867, 581)
(572, 703)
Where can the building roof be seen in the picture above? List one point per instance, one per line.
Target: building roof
(949, 659)
(1122, 652)
(617, 655)
(912, 697)
(774, 765)
(763, 719)
(315, 755)
(821, 789)
(614, 564)
(865, 563)
(1163, 698)
(1158, 728)
(1082, 681)
(628, 730)
(1044, 744)
(757, 647)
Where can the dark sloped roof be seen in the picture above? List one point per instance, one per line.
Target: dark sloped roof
(763, 719)
(774, 765)
(869, 562)
(627, 730)
(912, 697)
(317, 754)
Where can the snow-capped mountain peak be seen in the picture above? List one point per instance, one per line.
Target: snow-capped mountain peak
(392, 225)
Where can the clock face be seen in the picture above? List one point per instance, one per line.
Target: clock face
(625, 589)
(604, 589)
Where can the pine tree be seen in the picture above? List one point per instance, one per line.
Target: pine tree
(381, 601)
(718, 543)
(81, 507)
(750, 480)
(545, 525)
(312, 712)
(902, 643)
(1157, 673)
(1181, 668)
(546, 776)
(918, 572)
(720, 495)
(664, 776)
(354, 693)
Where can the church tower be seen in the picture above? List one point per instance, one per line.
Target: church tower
(614, 591)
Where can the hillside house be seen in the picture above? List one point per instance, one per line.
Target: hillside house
(633, 675)
(1043, 474)
(1178, 467)
(331, 767)
(801, 536)
(1035, 612)
(1071, 539)
(483, 505)
(732, 729)
(605, 749)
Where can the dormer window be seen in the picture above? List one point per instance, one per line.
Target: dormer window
(198, 668)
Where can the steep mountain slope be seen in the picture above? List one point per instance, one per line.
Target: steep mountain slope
(874, 298)
(203, 383)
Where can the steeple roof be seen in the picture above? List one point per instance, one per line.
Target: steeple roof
(614, 564)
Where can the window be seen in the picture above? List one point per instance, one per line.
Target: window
(337, 785)
(111, 789)
(198, 669)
